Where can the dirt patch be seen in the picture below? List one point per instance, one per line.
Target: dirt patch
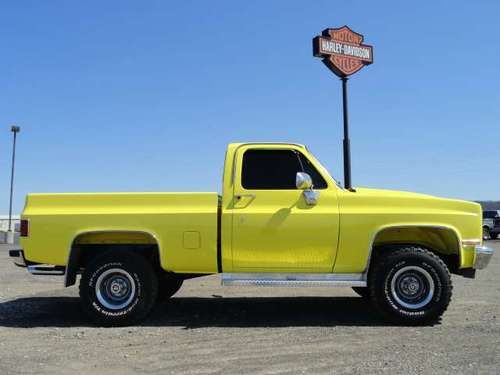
(207, 328)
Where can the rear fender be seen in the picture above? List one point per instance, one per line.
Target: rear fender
(104, 237)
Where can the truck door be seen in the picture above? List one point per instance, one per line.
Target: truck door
(274, 228)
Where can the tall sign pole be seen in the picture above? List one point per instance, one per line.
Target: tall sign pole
(10, 235)
(344, 54)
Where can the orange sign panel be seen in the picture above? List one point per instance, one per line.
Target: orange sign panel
(342, 50)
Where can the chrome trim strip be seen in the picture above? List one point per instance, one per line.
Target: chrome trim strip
(294, 279)
(46, 270)
(483, 257)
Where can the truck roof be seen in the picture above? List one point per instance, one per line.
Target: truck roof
(238, 144)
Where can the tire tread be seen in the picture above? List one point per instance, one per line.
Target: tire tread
(124, 256)
(389, 257)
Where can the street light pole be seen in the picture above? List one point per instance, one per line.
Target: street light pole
(14, 130)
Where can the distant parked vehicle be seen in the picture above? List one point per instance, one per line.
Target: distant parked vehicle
(491, 224)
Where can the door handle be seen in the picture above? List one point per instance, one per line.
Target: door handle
(239, 197)
(243, 200)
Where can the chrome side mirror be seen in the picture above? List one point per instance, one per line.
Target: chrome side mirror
(311, 197)
(303, 181)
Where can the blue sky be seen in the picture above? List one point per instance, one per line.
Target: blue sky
(144, 96)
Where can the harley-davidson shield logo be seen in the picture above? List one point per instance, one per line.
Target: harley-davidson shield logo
(342, 50)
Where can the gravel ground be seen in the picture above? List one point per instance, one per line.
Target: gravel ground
(208, 329)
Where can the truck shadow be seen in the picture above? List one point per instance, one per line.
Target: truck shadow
(190, 313)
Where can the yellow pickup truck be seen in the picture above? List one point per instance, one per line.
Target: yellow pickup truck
(281, 220)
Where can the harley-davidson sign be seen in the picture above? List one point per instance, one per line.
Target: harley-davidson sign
(342, 50)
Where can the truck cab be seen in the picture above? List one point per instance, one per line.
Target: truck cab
(269, 225)
(281, 220)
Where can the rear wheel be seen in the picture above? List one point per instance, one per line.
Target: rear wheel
(493, 236)
(118, 288)
(410, 286)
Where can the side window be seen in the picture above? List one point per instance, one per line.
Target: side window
(276, 170)
(489, 214)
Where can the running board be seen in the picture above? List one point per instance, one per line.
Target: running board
(295, 279)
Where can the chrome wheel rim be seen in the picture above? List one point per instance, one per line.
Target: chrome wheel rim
(412, 287)
(115, 289)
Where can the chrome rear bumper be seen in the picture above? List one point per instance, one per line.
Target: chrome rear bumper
(17, 257)
(482, 257)
(46, 270)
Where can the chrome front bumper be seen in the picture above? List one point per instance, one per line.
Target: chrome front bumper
(482, 257)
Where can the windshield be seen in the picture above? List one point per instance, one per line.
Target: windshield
(490, 214)
(325, 170)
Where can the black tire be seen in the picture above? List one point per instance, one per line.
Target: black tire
(168, 285)
(361, 291)
(410, 285)
(118, 288)
(493, 236)
(486, 233)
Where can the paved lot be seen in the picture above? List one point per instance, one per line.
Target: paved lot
(208, 329)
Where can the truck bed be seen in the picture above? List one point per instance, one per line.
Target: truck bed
(183, 225)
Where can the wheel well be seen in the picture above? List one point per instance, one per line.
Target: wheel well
(87, 246)
(441, 241)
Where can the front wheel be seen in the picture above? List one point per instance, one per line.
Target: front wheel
(486, 233)
(410, 285)
(118, 288)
